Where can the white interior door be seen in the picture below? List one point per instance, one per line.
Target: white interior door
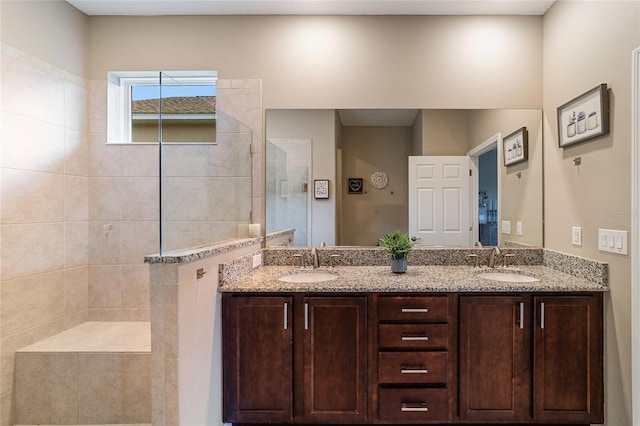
(439, 207)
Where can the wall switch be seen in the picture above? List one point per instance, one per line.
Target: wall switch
(519, 228)
(613, 241)
(576, 236)
(257, 260)
(506, 227)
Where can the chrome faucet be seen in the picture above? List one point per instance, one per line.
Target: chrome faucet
(316, 256)
(492, 257)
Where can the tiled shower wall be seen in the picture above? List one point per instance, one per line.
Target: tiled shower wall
(77, 216)
(45, 207)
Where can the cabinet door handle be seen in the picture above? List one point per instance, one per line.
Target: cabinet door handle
(419, 370)
(286, 315)
(541, 314)
(306, 316)
(420, 406)
(409, 338)
(521, 315)
(414, 310)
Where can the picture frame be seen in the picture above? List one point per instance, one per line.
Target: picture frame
(515, 147)
(321, 189)
(584, 117)
(355, 186)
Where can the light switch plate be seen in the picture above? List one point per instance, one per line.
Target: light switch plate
(519, 228)
(506, 227)
(576, 236)
(257, 260)
(613, 241)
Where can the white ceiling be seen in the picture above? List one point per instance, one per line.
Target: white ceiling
(312, 7)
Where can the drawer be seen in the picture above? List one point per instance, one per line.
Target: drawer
(413, 308)
(413, 336)
(405, 405)
(412, 367)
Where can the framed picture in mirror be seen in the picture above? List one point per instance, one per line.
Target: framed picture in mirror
(584, 117)
(515, 147)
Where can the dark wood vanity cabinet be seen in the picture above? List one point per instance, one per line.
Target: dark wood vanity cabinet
(258, 359)
(525, 359)
(294, 359)
(413, 358)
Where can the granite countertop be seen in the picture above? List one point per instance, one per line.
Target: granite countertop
(429, 278)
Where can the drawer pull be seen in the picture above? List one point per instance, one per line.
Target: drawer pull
(414, 310)
(421, 406)
(419, 370)
(406, 338)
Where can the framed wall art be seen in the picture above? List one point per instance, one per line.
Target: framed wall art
(354, 186)
(515, 147)
(321, 188)
(584, 117)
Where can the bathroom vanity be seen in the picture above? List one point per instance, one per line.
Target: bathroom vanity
(439, 344)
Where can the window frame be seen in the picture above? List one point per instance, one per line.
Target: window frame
(119, 93)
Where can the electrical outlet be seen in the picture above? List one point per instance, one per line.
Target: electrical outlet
(576, 236)
(257, 260)
(519, 228)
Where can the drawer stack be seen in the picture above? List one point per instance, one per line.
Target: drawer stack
(413, 342)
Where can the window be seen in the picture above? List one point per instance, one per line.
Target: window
(148, 106)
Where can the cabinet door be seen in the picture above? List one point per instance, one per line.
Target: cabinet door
(493, 361)
(568, 366)
(335, 359)
(257, 358)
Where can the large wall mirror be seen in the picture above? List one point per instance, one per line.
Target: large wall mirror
(363, 153)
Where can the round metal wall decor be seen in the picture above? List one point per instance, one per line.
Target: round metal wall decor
(379, 180)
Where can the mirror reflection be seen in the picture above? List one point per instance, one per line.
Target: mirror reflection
(374, 189)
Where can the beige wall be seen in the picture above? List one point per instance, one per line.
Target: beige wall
(365, 150)
(444, 132)
(520, 197)
(53, 31)
(340, 61)
(587, 43)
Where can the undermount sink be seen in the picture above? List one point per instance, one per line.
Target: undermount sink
(511, 277)
(308, 277)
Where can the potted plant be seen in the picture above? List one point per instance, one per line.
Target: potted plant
(398, 245)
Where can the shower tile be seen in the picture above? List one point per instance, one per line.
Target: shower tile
(187, 198)
(76, 153)
(232, 155)
(140, 160)
(139, 239)
(32, 301)
(105, 240)
(136, 395)
(185, 160)
(76, 290)
(104, 160)
(31, 92)
(105, 198)
(75, 106)
(140, 198)
(46, 388)
(135, 286)
(76, 198)
(31, 144)
(97, 105)
(230, 198)
(31, 249)
(76, 244)
(12, 343)
(104, 286)
(29, 197)
(100, 378)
